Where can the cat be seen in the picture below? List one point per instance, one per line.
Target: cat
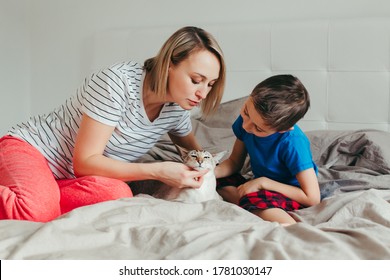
(196, 160)
(200, 160)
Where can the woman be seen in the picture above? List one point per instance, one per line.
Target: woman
(84, 151)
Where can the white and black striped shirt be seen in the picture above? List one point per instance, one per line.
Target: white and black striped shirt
(112, 96)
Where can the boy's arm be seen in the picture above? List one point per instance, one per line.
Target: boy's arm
(308, 194)
(309, 186)
(235, 161)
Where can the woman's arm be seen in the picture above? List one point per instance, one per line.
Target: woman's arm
(235, 161)
(308, 194)
(88, 159)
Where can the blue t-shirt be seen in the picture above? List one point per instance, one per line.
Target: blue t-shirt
(279, 156)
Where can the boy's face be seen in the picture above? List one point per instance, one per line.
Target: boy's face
(253, 122)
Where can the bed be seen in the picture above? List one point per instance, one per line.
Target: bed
(348, 126)
(351, 222)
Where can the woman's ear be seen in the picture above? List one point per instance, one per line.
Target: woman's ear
(170, 65)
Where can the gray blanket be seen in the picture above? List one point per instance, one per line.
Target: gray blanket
(351, 160)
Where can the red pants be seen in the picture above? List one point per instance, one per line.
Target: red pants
(29, 191)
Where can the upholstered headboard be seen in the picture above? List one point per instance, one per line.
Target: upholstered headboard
(345, 64)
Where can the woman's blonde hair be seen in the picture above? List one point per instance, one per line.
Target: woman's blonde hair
(177, 48)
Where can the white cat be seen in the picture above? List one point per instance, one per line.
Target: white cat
(199, 160)
(196, 160)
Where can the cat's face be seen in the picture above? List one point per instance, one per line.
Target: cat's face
(199, 160)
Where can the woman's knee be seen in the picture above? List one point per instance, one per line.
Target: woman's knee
(18, 206)
(96, 185)
(89, 190)
(28, 190)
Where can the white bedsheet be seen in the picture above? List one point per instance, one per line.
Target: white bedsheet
(346, 226)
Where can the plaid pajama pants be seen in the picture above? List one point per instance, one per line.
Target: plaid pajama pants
(262, 199)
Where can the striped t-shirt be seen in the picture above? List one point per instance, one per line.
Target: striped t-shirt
(112, 96)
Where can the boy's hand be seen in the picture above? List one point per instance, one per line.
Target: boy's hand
(252, 186)
(248, 187)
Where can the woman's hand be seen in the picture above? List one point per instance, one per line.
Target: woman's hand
(179, 175)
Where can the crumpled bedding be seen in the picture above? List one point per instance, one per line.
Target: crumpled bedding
(351, 160)
(351, 222)
(346, 226)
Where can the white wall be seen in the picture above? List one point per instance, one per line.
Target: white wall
(46, 45)
(15, 64)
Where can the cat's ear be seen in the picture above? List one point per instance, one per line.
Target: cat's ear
(218, 156)
(182, 151)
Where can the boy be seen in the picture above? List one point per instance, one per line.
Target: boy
(285, 176)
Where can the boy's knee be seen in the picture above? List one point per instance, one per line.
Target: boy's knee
(229, 194)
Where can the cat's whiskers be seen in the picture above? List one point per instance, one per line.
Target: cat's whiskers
(200, 160)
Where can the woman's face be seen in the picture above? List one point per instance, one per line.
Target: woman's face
(191, 80)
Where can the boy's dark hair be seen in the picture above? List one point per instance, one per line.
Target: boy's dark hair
(281, 101)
